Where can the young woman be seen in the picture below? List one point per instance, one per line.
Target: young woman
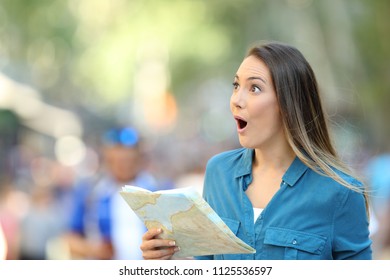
(285, 193)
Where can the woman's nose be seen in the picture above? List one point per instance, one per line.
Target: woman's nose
(238, 99)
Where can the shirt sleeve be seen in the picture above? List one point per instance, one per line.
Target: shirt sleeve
(351, 232)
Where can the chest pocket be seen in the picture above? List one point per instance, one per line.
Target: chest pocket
(292, 245)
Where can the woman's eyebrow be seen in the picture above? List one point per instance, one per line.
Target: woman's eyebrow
(252, 78)
(257, 78)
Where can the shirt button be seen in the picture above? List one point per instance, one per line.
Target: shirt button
(294, 242)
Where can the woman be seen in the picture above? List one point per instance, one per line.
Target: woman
(285, 193)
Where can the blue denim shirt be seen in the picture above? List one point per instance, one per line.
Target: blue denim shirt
(311, 217)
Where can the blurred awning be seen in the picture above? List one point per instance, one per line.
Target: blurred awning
(35, 113)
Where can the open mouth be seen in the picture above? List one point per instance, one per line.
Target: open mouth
(241, 123)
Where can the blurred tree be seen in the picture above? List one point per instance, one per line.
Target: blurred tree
(9, 130)
(91, 52)
(372, 29)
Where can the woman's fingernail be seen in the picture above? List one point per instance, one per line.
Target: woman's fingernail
(158, 230)
(172, 243)
(177, 249)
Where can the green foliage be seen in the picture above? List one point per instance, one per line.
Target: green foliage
(91, 51)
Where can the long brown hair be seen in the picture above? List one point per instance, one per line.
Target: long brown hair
(303, 117)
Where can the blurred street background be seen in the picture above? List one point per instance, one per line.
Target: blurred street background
(70, 70)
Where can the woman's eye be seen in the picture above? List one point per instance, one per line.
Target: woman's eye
(256, 89)
(235, 85)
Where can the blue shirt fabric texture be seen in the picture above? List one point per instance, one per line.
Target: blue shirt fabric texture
(311, 216)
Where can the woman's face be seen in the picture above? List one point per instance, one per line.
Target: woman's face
(254, 105)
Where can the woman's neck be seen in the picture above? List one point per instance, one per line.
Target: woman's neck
(279, 158)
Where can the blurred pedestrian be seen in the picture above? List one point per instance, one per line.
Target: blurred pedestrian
(39, 225)
(102, 225)
(13, 207)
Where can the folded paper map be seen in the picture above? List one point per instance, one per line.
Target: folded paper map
(184, 216)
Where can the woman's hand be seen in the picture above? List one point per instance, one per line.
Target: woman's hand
(155, 248)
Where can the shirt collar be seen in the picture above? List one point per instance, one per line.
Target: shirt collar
(245, 163)
(294, 172)
(292, 175)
